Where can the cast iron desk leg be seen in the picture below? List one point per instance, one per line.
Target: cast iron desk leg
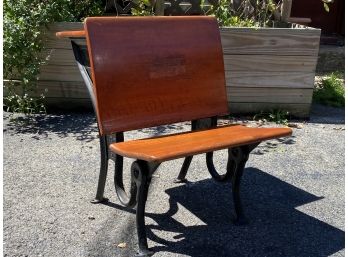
(82, 61)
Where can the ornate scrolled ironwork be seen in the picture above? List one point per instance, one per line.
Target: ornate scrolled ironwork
(213, 172)
(141, 174)
(128, 200)
(237, 157)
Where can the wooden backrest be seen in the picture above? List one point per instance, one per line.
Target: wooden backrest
(150, 71)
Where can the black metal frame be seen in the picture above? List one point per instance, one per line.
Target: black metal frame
(141, 171)
(81, 57)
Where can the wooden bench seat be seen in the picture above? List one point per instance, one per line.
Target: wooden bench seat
(169, 147)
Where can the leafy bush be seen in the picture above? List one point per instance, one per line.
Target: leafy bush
(143, 8)
(24, 30)
(278, 116)
(247, 13)
(330, 91)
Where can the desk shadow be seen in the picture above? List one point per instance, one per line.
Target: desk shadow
(326, 115)
(80, 126)
(275, 227)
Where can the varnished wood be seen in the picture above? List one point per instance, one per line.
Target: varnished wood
(159, 149)
(283, 66)
(149, 71)
(71, 34)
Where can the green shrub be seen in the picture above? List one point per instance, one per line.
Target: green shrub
(24, 27)
(330, 91)
(248, 13)
(143, 8)
(278, 116)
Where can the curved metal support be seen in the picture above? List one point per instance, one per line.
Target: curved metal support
(142, 172)
(125, 199)
(240, 157)
(237, 159)
(195, 124)
(183, 172)
(82, 64)
(215, 175)
(99, 198)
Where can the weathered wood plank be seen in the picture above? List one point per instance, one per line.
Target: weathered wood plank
(232, 62)
(269, 79)
(62, 43)
(241, 100)
(59, 57)
(57, 89)
(271, 41)
(270, 63)
(269, 95)
(275, 41)
(236, 95)
(60, 73)
(277, 73)
(60, 26)
(53, 42)
(73, 89)
(68, 103)
(296, 110)
(233, 78)
(61, 89)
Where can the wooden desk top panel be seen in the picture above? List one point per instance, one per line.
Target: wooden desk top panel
(150, 71)
(175, 146)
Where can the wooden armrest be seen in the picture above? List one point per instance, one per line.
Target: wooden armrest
(164, 148)
(71, 34)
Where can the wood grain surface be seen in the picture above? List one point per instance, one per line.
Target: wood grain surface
(267, 95)
(71, 34)
(164, 148)
(270, 79)
(169, 69)
(272, 59)
(263, 62)
(268, 41)
(251, 108)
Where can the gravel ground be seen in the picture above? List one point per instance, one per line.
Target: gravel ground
(293, 192)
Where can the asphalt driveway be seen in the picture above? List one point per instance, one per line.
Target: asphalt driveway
(293, 192)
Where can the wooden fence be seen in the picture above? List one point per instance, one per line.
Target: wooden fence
(266, 68)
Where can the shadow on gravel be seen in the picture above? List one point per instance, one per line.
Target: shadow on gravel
(273, 145)
(326, 115)
(165, 129)
(275, 227)
(79, 126)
